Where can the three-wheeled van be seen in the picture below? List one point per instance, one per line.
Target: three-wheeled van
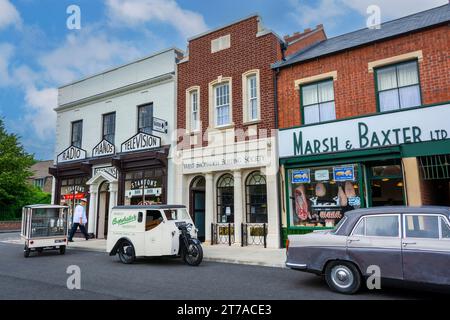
(153, 230)
(44, 226)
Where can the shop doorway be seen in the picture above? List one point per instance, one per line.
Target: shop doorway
(103, 210)
(385, 184)
(197, 200)
(435, 180)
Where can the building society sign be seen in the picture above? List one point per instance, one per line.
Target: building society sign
(141, 141)
(410, 126)
(71, 154)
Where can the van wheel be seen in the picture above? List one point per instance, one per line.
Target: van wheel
(343, 277)
(193, 256)
(26, 252)
(62, 249)
(126, 252)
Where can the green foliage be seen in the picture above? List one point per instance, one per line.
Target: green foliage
(15, 163)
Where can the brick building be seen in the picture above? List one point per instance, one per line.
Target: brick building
(41, 178)
(363, 121)
(227, 152)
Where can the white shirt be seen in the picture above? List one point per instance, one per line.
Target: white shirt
(80, 212)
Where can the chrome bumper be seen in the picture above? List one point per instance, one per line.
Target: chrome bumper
(296, 266)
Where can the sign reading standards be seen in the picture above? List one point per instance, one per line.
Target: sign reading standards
(72, 153)
(141, 141)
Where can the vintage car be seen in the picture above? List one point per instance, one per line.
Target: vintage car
(153, 230)
(406, 244)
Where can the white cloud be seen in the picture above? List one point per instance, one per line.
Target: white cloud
(328, 11)
(83, 54)
(6, 52)
(135, 12)
(39, 106)
(9, 15)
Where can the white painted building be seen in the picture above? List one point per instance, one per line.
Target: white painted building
(113, 138)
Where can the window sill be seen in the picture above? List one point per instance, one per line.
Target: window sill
(248, 123)
(223, 127)
(194, 132)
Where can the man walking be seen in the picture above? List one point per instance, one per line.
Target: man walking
(79, 220)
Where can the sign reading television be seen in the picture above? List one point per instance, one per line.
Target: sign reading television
(141, 141)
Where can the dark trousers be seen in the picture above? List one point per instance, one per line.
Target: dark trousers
(74, 229)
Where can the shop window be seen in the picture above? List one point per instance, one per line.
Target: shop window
(144, 188)
(145, 118)
(386, 185)
(422, 226)
(398, 86)
(225, 199)
(77, 133)
(320, 196)
(109, 127)
(256, 198)
(318, 102)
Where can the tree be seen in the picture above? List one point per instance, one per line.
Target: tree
(15, 165)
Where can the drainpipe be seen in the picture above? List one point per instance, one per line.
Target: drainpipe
(275, 85)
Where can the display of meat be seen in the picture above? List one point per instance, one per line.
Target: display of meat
(321, 191)
(349, 190)
(343, 200)
(301, 203)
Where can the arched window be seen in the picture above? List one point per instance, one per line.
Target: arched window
(256, 198)
(225, 199)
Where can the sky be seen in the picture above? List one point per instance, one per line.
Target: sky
(39, 53)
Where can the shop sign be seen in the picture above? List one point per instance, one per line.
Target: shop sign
(141, 141)
(388, 129)
(346, 173)
(147, 192)
(159, 125)
(112, 171)
(71, 154)
(72, 196)
(143, 183)
(104, 148)
(75, 188)
(301, 176)
(321, 175)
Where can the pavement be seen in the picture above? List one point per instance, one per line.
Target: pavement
(251, 255)
(45, 276)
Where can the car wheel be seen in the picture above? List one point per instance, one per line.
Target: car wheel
(193, 256)
(126, 252)
(26, 252)
(343, 277)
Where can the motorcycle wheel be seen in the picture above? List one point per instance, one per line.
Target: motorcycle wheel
(126, 253)
(193, 255)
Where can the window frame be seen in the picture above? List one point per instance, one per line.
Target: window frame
(246, 96)
(220, 204)
(396, 64)
(302, 106)
(139, 129)
(81, 133)
(399, 236)
(191, 110)
(103, 126)
(438, 215)
(216, 107)
(248, 203)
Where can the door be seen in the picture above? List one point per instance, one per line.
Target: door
(153, 232)
(426, 248)
(199, 214)
(103, 211)
(376, 241)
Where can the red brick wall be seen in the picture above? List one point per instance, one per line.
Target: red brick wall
(10, 225)
(247, 52)
(313, 37)
(355, 88)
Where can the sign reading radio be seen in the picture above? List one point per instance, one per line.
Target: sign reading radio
(388, 129)
(71, 154)
(104, 148)
(141, 141)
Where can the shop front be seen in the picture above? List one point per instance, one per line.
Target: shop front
(330, 168)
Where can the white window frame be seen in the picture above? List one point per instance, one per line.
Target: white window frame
(439, 216)
(220, 43)
(189, 92)
(378, 215)
(212, 102)
(246, 112)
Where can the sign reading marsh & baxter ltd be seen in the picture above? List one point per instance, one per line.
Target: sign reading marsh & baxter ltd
(141, 141)
(409, 126)
(104, 148)
(72, 153)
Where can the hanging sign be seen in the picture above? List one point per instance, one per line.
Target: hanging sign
(301, 176)
(346, 173)
(141, 141)
(159, 125)
(71, 154)
(104, 148)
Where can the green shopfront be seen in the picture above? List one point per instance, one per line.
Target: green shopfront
(392, 158)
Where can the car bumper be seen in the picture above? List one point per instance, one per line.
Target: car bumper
(297, 266)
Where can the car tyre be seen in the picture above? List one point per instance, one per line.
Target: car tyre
(343, 277)
(126, 252)
(194, 255)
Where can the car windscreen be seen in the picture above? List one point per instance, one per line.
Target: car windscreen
(176, 214)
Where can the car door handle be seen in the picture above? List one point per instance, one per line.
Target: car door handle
(353, 240)
(407, 243)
